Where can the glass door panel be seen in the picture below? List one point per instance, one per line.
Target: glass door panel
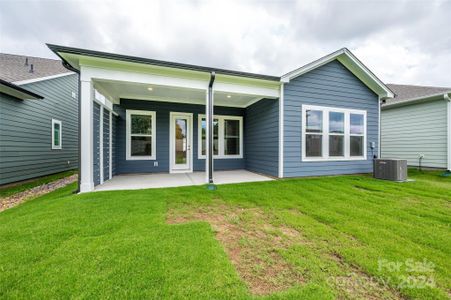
(181, 143)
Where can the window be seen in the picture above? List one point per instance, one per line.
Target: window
(357, 134)
(141, 135)
(215, 136)
(314, 133)
(227, 137)
(333, 133)
(56, 135)
(336, 134)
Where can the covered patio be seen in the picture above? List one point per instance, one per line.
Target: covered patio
(148, 123)
(149, 181)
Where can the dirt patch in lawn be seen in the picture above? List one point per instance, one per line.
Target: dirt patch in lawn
(255, 244)
(252, 244)
(18, 198)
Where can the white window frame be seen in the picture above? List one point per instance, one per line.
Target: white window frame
(128, 126)
(60, 146)
(325, 133)
(221, 136)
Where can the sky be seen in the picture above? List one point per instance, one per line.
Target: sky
(401, 41)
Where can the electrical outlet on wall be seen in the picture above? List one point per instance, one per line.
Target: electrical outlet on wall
(155, 164)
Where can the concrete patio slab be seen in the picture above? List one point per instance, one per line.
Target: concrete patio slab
(162, 180)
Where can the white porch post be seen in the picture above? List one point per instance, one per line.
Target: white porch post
(86, 135)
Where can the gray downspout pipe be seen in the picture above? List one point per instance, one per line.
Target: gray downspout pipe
(210, 127)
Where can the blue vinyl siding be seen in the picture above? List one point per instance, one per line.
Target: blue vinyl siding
(26, 130)
(106, 144)
(162, 110)
(331, 85)
(96, 143)
(261, 129)
(113, 144)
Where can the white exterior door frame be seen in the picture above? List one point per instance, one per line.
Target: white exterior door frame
(188, 166)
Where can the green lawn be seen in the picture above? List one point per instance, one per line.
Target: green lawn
(120, 244)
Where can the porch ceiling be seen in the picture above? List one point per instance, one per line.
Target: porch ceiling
(117, 90)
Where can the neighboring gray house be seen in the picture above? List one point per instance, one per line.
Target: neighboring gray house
(38, 117)
(416, 124)
(141, 115)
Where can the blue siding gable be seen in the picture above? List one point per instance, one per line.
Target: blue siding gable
(331, 85)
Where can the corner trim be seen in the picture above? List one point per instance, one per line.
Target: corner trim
(448, 99)
(281, 131)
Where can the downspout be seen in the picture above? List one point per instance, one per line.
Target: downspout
(210, 105)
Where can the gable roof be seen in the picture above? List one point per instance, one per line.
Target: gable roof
(13, 68)
(408, 93)
(353, 64)
(343, 55)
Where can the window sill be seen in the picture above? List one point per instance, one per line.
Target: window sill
(141, 158)
(223, 157)
(307, 159)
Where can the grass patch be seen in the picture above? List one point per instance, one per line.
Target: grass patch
(10, 190)
(312, 238)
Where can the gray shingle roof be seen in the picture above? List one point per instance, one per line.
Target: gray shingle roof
(406, 93)
(13, 68)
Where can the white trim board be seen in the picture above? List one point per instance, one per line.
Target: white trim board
(448, 105)
(351, 62)
(27, 81)
(281, 131)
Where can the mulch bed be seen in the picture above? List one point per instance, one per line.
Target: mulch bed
(37, 191)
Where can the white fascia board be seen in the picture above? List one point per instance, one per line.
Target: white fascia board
(22, 82)
(351, 62)
(89, 72)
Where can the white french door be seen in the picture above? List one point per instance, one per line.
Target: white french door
(181, 142)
